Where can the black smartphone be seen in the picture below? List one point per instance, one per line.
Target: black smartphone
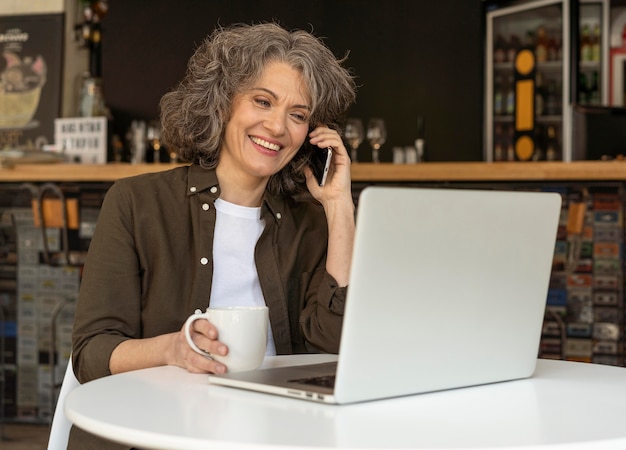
(319, 160)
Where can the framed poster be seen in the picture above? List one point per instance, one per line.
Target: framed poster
(31, 71)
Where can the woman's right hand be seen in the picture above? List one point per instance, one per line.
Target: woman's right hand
(204, 335)
(171, 349)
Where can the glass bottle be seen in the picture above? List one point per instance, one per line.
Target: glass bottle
(509, 102)
(541, 45)
(498, 96)
(499, 50)
(551, 99)
(595, 43)
(539, 94)
(552, 150)
(91, 97)
(91, 101)
(514, 46)
(585, 44)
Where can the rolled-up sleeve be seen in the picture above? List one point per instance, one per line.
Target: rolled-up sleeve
(108, 309)
(322, 317)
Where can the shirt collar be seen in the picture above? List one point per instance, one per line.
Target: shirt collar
(201, 179)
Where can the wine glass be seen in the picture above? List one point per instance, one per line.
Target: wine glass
(376, 135)
(353, 135)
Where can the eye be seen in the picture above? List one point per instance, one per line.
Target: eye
(262, 102)
(300, 117)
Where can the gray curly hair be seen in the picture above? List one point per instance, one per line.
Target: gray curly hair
(195, 113)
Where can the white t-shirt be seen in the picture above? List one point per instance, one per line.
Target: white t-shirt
(235, 278)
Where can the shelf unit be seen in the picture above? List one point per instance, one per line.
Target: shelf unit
(585, 313)
(361, 172)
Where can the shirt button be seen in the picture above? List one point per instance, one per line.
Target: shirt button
(193, 189)
(204, 261)
(279, 215)
(214, 189)
(205, 206)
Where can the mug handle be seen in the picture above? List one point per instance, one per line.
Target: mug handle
(195, 316)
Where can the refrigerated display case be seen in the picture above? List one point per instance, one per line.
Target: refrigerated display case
(594, 33)
(617, 52)
(541, 57)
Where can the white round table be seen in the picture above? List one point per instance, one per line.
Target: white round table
(565, 405)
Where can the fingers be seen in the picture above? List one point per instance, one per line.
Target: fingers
(205, 336)
(326, 137)
(196, 363)
(338, 185)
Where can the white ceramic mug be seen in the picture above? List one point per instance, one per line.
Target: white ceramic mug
(242, 328)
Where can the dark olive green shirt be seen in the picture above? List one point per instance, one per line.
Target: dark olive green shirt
(150, 265)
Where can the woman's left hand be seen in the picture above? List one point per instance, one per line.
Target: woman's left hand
(336, 198)
(338, 182)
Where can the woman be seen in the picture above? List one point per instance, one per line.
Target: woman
(166, 243)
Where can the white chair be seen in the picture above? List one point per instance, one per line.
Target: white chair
(60, 429)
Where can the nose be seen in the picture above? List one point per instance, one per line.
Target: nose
(275, 122)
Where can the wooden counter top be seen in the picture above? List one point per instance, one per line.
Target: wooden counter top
(500, 171)
(361, 172)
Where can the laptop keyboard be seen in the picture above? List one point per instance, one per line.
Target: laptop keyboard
(323, 381)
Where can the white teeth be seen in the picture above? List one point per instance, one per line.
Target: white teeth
(267, 145)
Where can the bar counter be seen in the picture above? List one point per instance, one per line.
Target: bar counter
(361, 172)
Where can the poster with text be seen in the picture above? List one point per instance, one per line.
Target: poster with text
(31, 71)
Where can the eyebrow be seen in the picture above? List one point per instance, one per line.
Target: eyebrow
(273, 94)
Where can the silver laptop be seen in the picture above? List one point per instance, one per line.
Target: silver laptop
(448, 289)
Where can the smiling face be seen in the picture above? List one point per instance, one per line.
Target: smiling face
(269, 121)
